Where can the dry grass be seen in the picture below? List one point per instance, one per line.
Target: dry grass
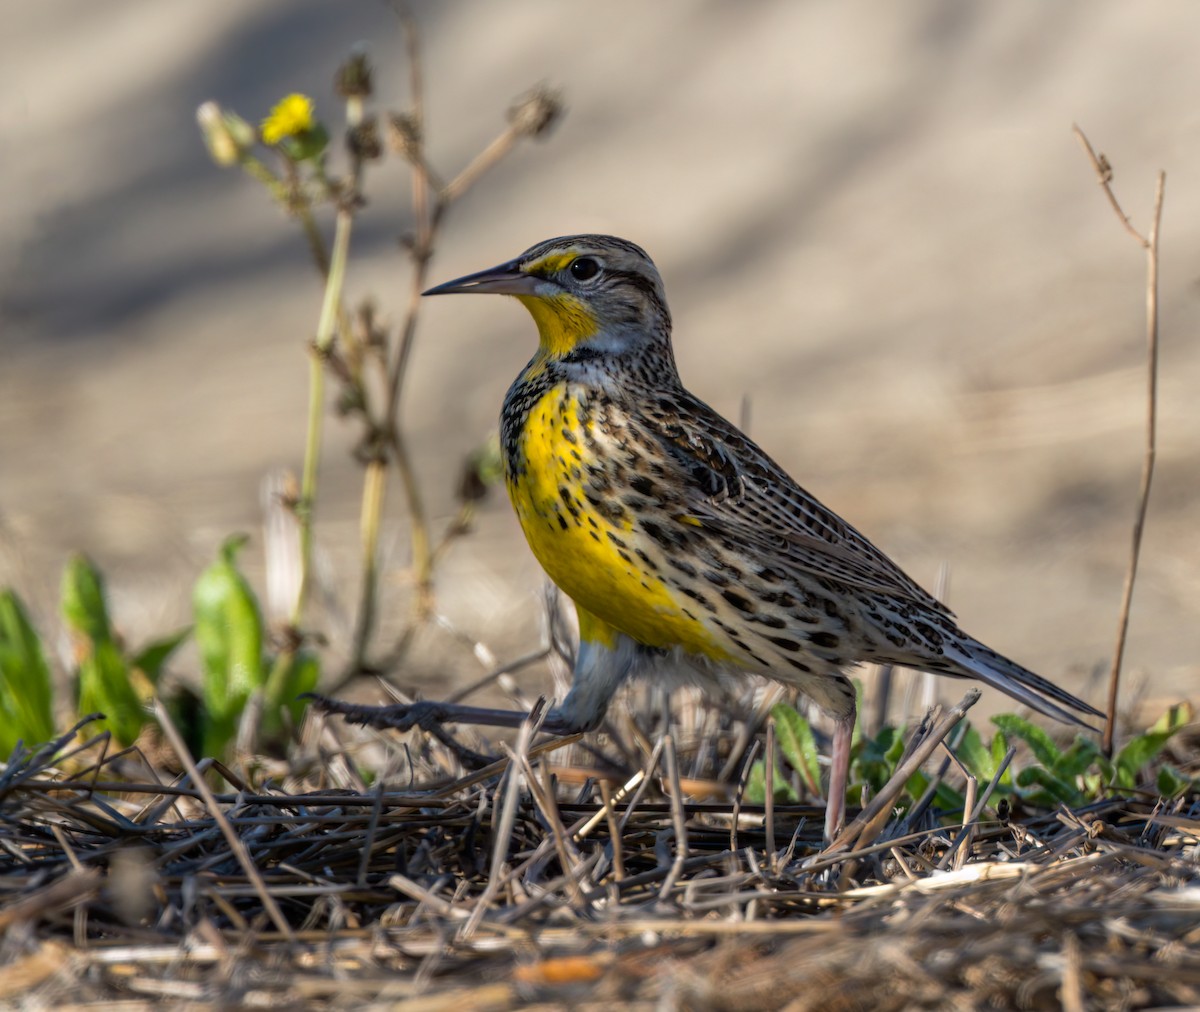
(568, 877)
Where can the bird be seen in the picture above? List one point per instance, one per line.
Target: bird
(680, 541)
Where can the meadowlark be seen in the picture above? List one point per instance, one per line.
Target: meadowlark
(679, 540)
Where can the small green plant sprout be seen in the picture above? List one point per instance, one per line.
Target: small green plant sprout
(234, 664)
(798, 745)
(108, 679)
(1081, 773)
(1075, 775)
(26, 688)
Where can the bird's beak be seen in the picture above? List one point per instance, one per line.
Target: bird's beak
(507, 279)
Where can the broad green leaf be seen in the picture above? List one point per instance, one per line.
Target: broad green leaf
(1053, 789)
(1175, 719)
(756, 785)
(1141, 751)
(105, 685)
(796, 740)
(104, 680)
(229, 635)
(1044, 750)
(1078, 757)
(1170, 782)
(26, 689)
(976, 757)
(999, 748)
(218, 731)
(83, 605)
(945, 797)
(875, 761)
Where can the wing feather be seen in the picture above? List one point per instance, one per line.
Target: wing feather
(738, 493)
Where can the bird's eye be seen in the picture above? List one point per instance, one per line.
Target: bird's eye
(584, 268)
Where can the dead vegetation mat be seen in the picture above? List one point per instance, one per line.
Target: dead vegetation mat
(531, 882)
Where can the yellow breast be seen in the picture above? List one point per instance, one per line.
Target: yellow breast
(562, 489)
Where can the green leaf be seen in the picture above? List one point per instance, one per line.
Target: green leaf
(287, 682)
(1175, 719)
(1053, 789)
(150, 659)
(976, 757)
(756, 785)
(1141, 751)
(1039, 742)
(796, 740)
(229, 635)
(875, 761)
(1078, 757)
(999, 748)
(945, 797)
(83, 605)
(1170, 782)
(103, 675)
(105, 685)
(26, 688)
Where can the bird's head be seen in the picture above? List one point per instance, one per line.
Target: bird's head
(583, 291)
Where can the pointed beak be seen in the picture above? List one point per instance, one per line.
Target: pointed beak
(507, 279)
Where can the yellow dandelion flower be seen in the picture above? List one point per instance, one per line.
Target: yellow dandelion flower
(290, 118)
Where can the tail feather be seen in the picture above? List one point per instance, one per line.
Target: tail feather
(991, 668)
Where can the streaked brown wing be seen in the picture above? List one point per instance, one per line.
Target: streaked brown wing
(740, 494)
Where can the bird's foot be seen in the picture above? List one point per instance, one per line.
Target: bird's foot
(425, 714)
(428, 715)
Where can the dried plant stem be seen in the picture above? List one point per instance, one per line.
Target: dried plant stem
(326, 327)
(506, 816)
(374, 492)
(237, 845)
(1149, 243)
(427, 219)
(430, 201)
(678, 816)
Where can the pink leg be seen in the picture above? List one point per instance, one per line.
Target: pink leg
(839, 774)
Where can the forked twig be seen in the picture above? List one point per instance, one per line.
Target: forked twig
(1149, 243)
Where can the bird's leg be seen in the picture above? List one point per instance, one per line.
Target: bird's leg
(839, 775)
(599, 670)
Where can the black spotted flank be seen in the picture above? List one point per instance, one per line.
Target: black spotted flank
(658, 534)
(738, 601)
(642, 484)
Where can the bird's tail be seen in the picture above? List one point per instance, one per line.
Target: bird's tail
(982, 663)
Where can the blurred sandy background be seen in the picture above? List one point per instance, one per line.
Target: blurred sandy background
(872, 219)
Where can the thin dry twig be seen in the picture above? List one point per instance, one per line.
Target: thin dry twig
(236, 844)
(378, 884)
(904, 770)
(1149, 243)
